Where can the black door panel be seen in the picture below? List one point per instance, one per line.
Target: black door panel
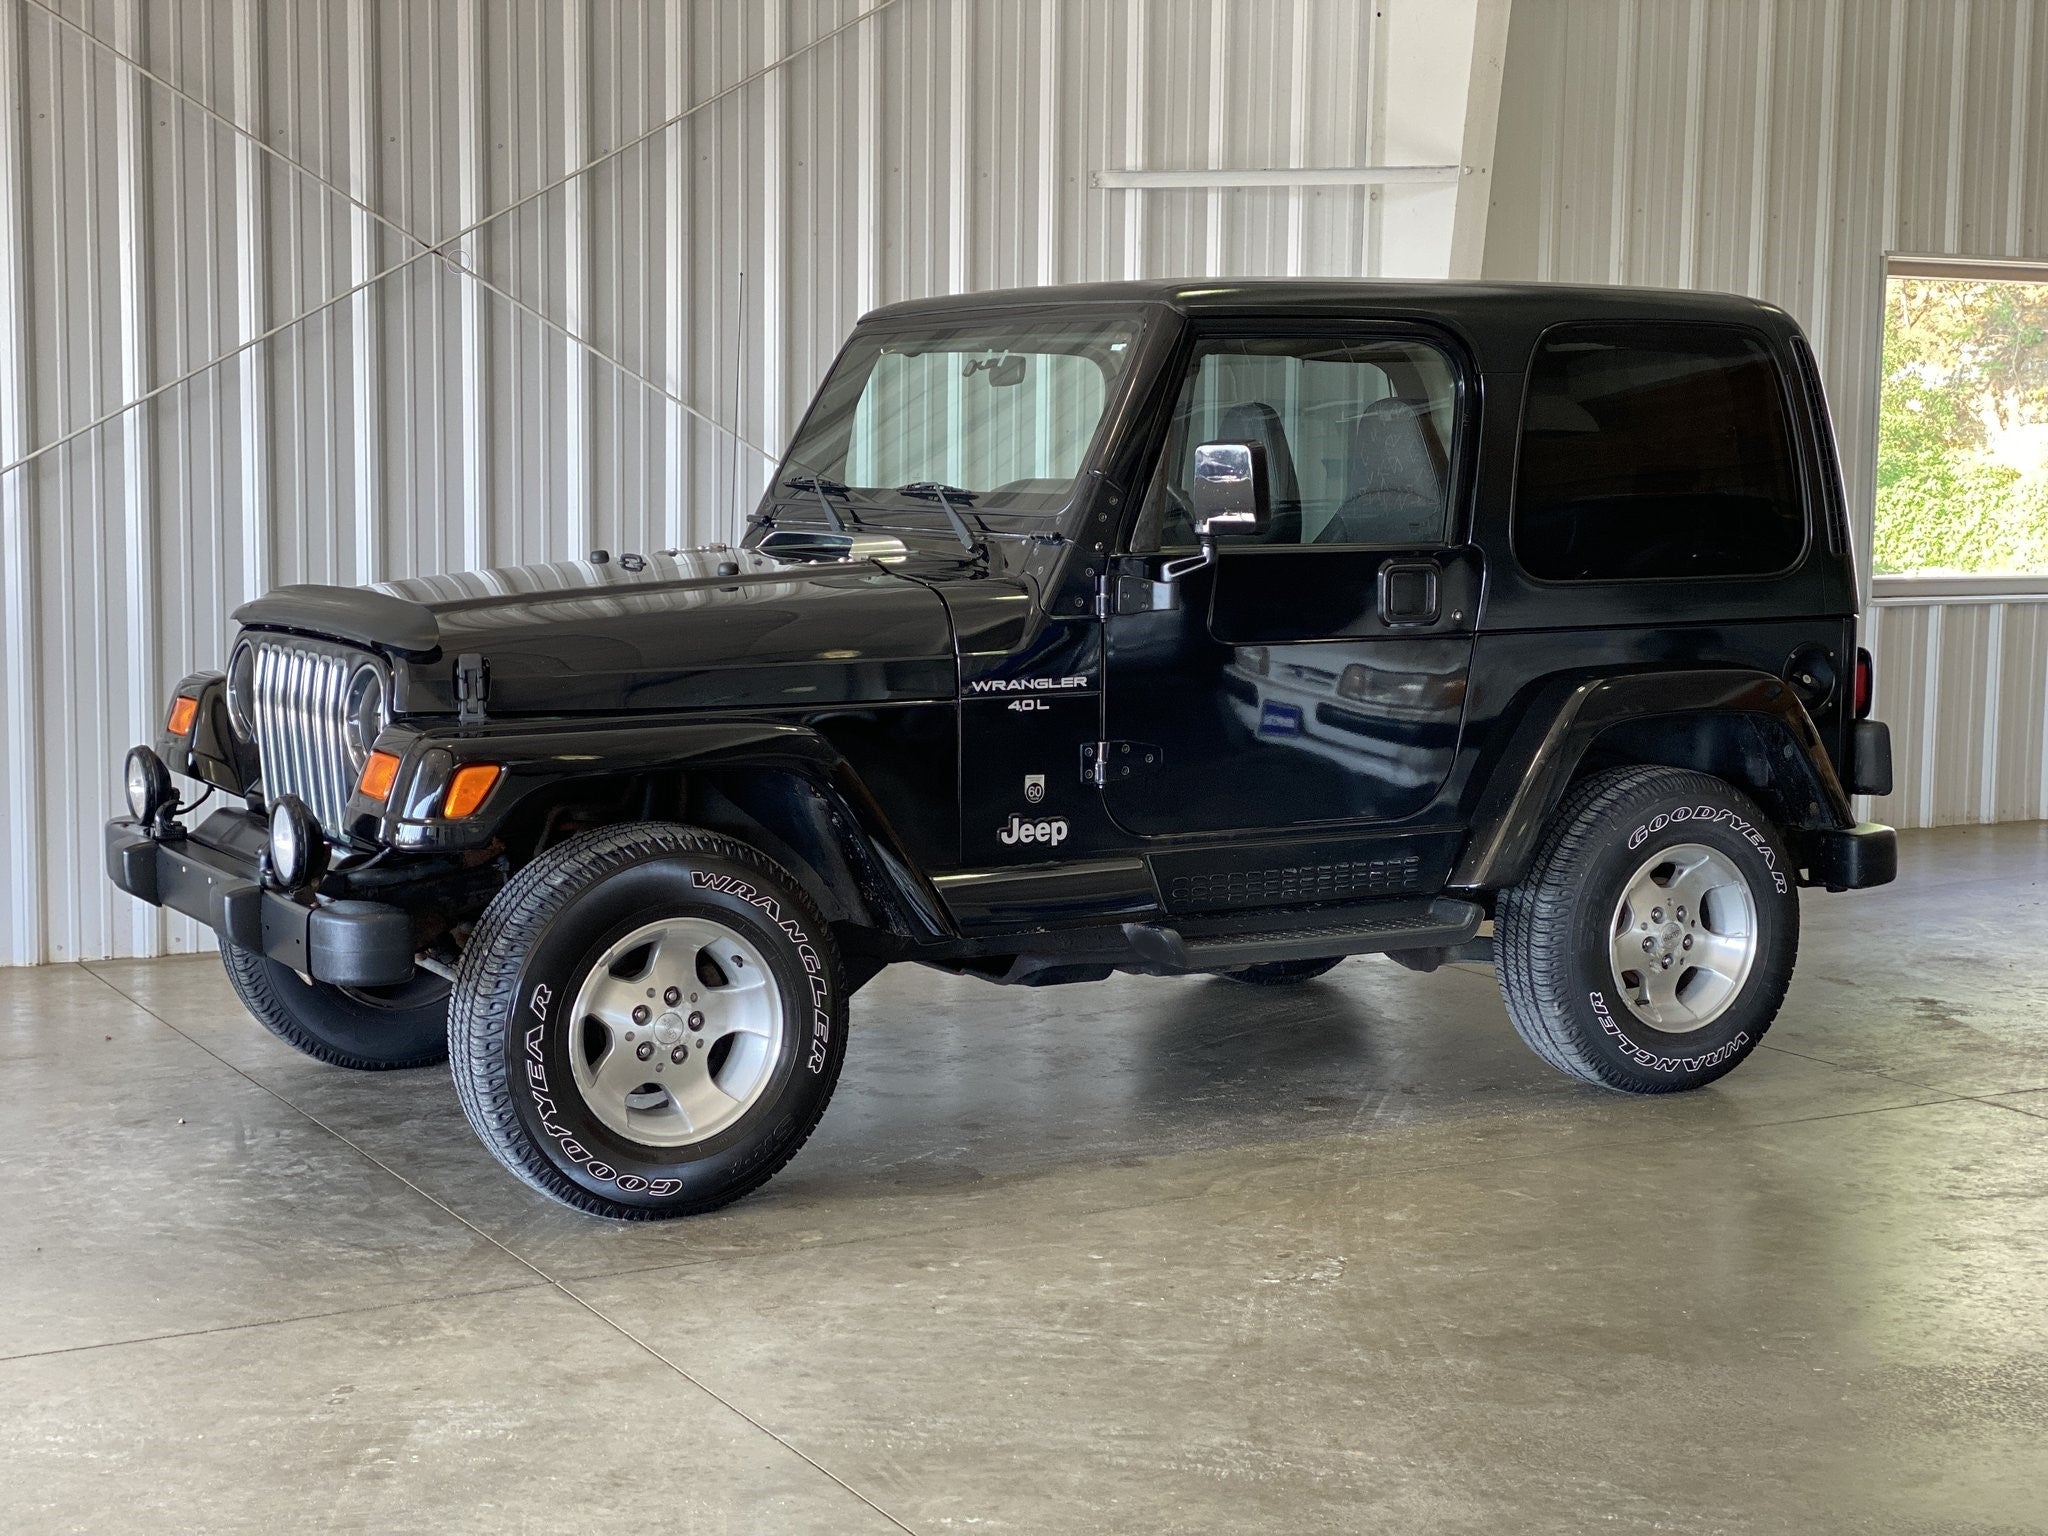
(1273, 593)
(1279, 696)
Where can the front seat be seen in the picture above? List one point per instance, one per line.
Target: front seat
(1397, 479)
(1254, 421)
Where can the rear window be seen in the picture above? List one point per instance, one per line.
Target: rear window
(1655, 451)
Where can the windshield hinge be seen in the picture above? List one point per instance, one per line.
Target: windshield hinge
(1107, 762)
(472, 688)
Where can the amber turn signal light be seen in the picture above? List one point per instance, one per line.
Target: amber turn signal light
(379, 774)
(468, 789)
(183, 712)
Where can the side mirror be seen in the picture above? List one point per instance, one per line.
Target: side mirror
(1230, 492)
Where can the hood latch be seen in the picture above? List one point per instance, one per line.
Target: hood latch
(472, 688)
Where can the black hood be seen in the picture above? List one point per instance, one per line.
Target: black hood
(703, 628)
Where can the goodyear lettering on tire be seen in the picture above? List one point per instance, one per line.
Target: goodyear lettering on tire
(1715, 815)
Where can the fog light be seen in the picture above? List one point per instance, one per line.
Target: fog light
(148, 784)
(298, 853)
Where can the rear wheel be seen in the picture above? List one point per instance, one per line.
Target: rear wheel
(369, 1029)
(1651, 944)
(649, 1021)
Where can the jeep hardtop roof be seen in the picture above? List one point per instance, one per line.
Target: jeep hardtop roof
(1501, 317)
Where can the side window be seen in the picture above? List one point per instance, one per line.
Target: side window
(1357, 436)
(1655, 451)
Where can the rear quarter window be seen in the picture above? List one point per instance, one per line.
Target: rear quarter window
(1655, 452)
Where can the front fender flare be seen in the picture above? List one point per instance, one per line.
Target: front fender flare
(538, 758)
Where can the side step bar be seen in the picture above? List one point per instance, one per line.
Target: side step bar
(1214, 943)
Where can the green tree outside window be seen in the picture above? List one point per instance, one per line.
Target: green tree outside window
(1962, 440)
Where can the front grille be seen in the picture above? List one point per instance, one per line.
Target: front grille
(301, 689)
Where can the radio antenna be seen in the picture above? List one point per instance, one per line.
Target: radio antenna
(739, 376)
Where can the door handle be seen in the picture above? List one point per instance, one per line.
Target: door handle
(1411, 593)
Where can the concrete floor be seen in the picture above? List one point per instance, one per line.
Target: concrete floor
(1143, 1256)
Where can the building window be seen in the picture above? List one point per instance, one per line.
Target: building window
(1962, 424)
(1656, 451)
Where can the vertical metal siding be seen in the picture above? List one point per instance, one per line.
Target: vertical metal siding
(465, 355)
(1781, 148)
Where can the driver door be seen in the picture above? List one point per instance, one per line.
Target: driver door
(1313, 675)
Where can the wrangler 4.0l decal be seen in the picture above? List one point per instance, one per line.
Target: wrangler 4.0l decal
(1027, 684)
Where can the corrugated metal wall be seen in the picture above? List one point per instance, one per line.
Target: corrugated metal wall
(382, 329)
(1781, 148)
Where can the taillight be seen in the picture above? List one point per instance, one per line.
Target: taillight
(1866, 684)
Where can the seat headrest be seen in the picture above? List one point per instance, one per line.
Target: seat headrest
(1394, 451)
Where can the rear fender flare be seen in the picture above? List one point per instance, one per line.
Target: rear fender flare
(1564, 719)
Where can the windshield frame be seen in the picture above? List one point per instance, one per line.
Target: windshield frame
(783, 504)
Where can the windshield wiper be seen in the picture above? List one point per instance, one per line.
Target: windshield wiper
(936, 490)
(825, 490)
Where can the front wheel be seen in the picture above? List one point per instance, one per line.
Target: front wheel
(368, 1029)
(648, 1021)
(1651, 944)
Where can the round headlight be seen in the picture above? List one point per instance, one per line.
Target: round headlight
(148, 783)
(363, 714)
(298, 853)
(242, 690)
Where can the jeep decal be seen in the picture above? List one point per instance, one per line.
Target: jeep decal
(1052, 831)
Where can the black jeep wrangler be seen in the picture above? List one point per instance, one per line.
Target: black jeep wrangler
(1220, 628)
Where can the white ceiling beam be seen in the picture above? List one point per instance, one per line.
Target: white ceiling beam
(1282, 176)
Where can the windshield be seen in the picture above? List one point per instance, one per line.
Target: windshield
(999, 412)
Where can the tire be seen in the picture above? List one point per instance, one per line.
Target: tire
(379, 1029)
(1583, 968)
(1281, 973)
(599, 948)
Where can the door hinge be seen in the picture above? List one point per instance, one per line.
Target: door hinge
(1123, 592)
(472, 688)
(1105, 762)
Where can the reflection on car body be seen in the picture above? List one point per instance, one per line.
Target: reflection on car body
(1410, 695)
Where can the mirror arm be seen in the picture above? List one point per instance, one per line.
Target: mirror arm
(1173, 570)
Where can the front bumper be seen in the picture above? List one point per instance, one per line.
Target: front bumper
(212, 874)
